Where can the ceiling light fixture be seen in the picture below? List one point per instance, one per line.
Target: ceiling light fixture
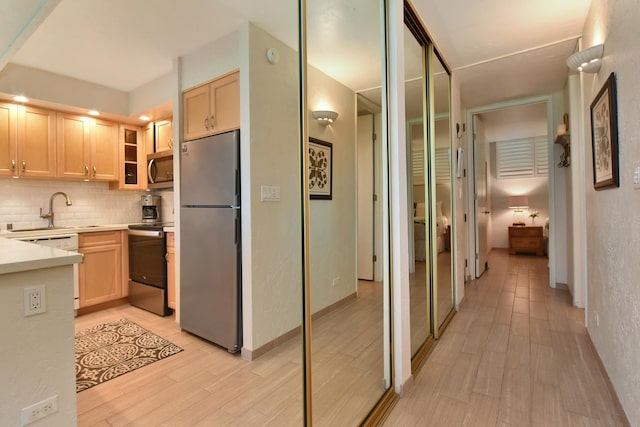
(587, 60)
(94, 113)
(20, 98)
(324, 117)
(145, 118)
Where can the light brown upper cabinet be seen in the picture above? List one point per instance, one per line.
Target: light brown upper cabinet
(164, 135)
(27, 146)
(132, 166)
(87, 148)
(212, 108)
(148, 133)
(8, 139)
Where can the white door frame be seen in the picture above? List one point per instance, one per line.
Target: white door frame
(548, 101)
(478, 259)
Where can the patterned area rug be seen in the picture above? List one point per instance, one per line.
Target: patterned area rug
(109, 350)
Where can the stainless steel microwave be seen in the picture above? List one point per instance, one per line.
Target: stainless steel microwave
(160, 170)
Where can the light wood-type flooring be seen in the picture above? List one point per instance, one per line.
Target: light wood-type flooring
(206, 386)
(420, 316)
(516, 354)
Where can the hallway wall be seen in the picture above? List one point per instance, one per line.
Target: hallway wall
(613, 294)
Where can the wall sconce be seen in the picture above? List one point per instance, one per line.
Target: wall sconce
(518, 204)
(324, 117)
(587, 60)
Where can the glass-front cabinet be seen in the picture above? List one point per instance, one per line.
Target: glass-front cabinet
(132, 159)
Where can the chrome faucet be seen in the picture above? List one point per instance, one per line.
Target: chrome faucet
(49, 215)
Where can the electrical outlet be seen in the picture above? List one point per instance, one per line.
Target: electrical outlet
(35, 300)
(39, 410)
(596, 317)
(336, 282)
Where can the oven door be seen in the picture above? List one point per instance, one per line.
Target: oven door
(147, 264)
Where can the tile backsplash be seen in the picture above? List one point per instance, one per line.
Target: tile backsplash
(92, 203)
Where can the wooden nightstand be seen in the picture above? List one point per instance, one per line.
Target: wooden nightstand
(527, 239)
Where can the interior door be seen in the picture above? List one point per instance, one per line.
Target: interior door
(365, 198)
(483, 211)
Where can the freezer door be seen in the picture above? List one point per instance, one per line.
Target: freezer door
(209, 171)
(209, 278)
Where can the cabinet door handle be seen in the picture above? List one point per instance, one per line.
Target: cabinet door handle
(166, 257)
(212, 122)
(13, 165)
(94, 171)
(86, 170)
(206, 123)
(24, 166)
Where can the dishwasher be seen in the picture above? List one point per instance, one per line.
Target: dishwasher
(67, 242)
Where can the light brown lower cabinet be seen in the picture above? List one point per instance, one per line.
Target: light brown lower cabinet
(171, 270)
(100, 273)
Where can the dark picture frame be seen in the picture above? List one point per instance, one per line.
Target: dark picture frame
(320, 169)
(604, 136)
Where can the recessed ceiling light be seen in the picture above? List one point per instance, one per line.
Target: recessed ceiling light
(94, 113)
(145, 118)
(20, 98)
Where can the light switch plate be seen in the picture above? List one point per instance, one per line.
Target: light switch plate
(636, 176)
(269, 193)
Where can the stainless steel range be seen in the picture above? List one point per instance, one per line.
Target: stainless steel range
(148, 267)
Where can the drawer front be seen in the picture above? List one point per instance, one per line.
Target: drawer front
(526, 232)
(525, 243)
(99, 238)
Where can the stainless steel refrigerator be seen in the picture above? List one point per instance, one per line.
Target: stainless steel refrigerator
(210, 275)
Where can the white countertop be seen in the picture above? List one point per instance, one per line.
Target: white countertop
(16, 256)
(63, 230)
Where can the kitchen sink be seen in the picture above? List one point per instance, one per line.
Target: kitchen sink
(64, 227)
(34, 229)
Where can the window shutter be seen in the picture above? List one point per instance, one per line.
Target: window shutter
(522, 158)
(442, 165)
(417, 164)
(542, 156)
(515, 159)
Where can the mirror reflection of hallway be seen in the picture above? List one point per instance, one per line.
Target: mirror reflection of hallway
(419, 277)
(350, 318)
(429, 148)
(442, 165)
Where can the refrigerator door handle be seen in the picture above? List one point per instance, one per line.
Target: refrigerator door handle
(236, 234)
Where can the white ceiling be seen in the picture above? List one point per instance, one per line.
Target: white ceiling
(499, 49)
(505, 49)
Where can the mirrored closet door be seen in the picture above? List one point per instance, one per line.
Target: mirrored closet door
(442, 215)
(348, 292)
(427, 110)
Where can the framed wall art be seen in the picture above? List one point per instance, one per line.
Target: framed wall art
(604, 136)
(320, 169)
